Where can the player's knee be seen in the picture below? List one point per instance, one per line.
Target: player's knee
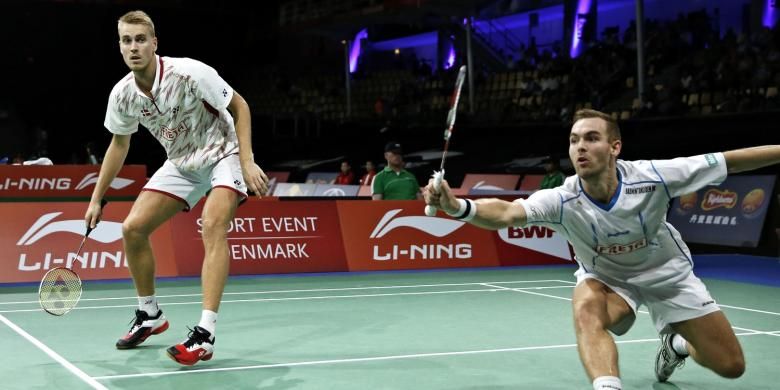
(213, 229)
(732, 367)
(133, 230)
(588, 314)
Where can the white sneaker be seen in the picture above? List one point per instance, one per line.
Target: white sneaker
(667, 360)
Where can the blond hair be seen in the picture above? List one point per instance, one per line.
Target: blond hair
(613, 130)
(138, 17)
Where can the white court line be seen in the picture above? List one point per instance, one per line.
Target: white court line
(747, 309)
(752, 331)
(54, 355)
(294, 298)
(309, 290)
(369, 359)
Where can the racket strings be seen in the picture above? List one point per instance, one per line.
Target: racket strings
(60, 291)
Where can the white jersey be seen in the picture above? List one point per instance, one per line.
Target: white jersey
(628, 239)
(188, 114)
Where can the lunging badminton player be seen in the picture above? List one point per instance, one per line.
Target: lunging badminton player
(613, 212)
(204, 126)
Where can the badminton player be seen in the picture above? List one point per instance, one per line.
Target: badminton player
(613, 212)
(204, 126)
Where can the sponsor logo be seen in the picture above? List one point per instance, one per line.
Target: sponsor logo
(707, 303)
(753, 201)
(617, 234)
(170, 134)
(537, 238)
(482, 186)
(106, 232)
(619, 249)
(715, 198)
(59, 183)
(701, 219)
(432, 226)
(92, 178)
(334, 192)
(639, 190)
(711, 160)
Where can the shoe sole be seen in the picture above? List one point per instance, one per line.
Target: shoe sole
(189, 363)
(159, 330)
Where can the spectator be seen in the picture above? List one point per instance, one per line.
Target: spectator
(395, 182)
(346, 176)
(554, 177)
(368, 178)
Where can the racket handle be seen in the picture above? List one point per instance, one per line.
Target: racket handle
(437, 178)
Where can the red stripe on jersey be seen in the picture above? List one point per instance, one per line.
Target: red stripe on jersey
(162, 69)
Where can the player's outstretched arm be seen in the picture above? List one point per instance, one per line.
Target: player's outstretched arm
(490, 214)
(748, 159)
(254, 177)
(112, 163)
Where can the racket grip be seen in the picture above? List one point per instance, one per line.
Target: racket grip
(437, 178)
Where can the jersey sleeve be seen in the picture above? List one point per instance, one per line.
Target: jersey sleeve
(377, 185)
(118, 120)
(542, 207)
(210, 87)
(687, 174)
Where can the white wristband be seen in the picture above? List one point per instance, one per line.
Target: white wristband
(461, 208)
(472, 211)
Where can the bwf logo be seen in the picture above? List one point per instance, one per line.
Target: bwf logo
(106, 232)
(437, 227)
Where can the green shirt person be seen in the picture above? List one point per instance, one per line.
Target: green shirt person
(554, 177)
(394, 182)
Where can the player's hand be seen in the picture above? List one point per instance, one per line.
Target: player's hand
(255, 179)
(442, 199)
(93, 214)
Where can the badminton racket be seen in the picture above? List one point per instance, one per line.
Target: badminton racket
(438, 176)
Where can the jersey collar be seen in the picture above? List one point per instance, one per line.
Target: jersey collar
(158, 77)
(615, 196)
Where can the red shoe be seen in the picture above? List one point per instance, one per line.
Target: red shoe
(143, 327)
(198, 346)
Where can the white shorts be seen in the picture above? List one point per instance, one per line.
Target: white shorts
(676, 301)
(190, 187)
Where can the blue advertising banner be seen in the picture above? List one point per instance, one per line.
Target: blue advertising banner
(730, 214)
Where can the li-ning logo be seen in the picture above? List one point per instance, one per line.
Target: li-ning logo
(482, 186)
(438, 227)
(715, 198)
(434, 226)
(105, 232)
(92, 178)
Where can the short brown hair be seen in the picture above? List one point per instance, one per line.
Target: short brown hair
(138, 17)
(613, 130)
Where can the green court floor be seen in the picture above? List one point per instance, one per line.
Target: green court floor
(469, 329)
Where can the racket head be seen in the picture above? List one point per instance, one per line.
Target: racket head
(453, 112)
(59, 291)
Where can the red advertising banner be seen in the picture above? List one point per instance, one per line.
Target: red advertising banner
(39, 236)
(392, 235)
(531, 245)
(268, 237)
(59, 181)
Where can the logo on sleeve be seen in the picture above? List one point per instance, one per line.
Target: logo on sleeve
(711, 160)
(224, 92)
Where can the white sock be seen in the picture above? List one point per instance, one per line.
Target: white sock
(208, 321)
(607, 383)
(149, 305)
(680, 345)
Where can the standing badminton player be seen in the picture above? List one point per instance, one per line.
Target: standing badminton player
(204, 126)
(613, 212)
